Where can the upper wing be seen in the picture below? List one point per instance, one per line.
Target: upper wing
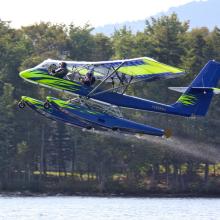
(137, 68)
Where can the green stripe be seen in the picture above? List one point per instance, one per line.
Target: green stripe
(187, 99)
(42, 77)
(75, 107)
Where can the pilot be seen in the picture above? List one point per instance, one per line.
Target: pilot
(89, 79)
(62, 71)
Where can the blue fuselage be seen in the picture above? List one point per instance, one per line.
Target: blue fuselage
(103, 119)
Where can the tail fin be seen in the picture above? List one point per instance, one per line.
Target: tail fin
(197, 97)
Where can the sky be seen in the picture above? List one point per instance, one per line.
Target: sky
(79, 12)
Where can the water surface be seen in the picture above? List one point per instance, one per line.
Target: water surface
(95, 208)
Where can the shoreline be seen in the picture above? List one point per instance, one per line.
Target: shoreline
(109, 195)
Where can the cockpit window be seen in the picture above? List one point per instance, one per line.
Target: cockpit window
(52, 67)
(46, 64)
(43, 65)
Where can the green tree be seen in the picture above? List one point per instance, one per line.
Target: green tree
(46, 40)
(102, 48)
(7, 130)
(166, 35)
(81, 43)
(123, 43)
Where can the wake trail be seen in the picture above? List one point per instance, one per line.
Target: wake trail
(199, 150)
(191, 147)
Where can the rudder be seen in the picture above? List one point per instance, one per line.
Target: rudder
(197, 98)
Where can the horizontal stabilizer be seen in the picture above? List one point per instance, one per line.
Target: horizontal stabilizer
(216, 91)
(178, 89)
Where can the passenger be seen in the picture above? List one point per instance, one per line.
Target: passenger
(62, 71)
(89, 79)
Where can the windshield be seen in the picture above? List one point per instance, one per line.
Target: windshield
(46, 63)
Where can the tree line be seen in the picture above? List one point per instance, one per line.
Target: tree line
(41, 155)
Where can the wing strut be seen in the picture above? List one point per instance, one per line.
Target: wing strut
(107, 77)
(127, 85)
(120, 87)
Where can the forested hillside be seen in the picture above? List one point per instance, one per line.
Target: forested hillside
(41, 155)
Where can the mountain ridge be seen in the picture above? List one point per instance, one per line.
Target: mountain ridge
(199, 13)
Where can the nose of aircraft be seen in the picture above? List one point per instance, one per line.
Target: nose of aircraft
(49, 98)
(23, 98)
(24, 74)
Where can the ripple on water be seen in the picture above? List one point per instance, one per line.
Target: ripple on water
(94, 208)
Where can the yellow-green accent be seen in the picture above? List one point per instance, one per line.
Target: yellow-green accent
(187, 99)
(67, 105)
(30, 100)
(42, 77)
(216, 90)
(38, 104)
(84, 71)
(149, 67)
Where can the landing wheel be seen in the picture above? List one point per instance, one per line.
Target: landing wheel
(89, 127)
(21, 104)
(46, 105)
(114, 129)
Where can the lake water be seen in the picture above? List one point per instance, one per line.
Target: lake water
(95, 208)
